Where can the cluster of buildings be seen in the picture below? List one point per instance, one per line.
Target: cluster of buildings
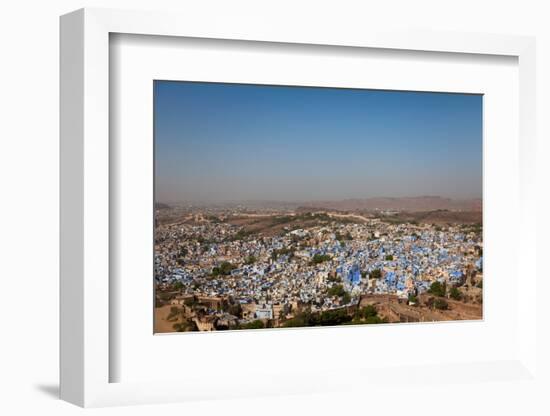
(271, 276)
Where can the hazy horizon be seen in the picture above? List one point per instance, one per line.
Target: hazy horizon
(218, 143)
(298, 201)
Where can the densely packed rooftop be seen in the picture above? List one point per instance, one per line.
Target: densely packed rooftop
(325, 265)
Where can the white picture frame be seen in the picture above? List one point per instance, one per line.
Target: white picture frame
(86, 217)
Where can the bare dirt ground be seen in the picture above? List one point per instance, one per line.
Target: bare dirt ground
(161, 323)
(436, 217)
(394, 310)
(270, 225)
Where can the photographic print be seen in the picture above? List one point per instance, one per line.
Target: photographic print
(290, 206)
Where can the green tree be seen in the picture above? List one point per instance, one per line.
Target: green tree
(455, 294)
(299, 320)
(374, 320)
(412, 299)
(389, 257)
(190, 302)
(346, 298)
(320, 258)
(223, 269)
(342, 238)
(240, 235)
(437, 289)
(250, 260)
(334, 279)
(440, 304)
(376, 274)
(336, 290)
(366, 312)
(282, 252)
(333, 317)
(257, 324)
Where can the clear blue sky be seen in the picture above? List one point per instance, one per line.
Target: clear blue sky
(220, 142)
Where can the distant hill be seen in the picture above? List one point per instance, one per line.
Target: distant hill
(410, 204)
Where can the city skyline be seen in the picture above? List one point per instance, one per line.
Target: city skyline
(219, 142)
